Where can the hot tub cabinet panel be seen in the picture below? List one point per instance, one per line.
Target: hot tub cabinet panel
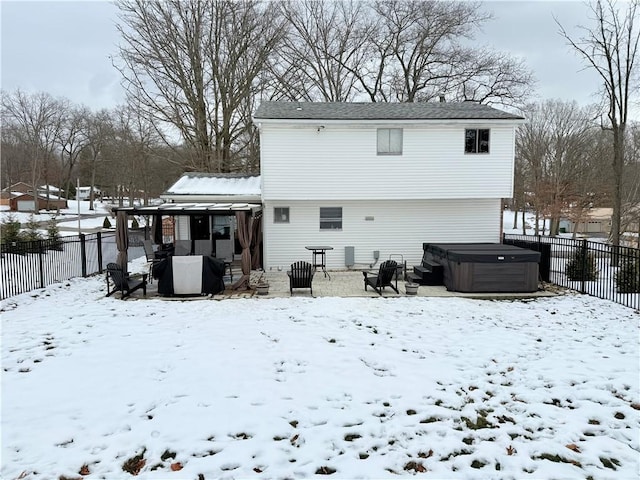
(486, 267)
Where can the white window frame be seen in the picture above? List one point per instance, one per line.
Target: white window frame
(281, 215)
(328, 221)
(389, 141)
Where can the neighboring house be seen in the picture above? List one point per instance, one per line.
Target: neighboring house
(594, 222)
(19, 187)
(381, 178)
(83, 193)
(211, 232)
(26, 202)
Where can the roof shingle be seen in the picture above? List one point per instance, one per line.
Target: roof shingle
(380, 111)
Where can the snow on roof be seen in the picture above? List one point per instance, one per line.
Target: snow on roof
(215, 184)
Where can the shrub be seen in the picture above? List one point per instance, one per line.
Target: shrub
(106, 223)
(628, 277)
(134, 223)
(9, 229)
(53, 232)
(582, 266)
(31, 232)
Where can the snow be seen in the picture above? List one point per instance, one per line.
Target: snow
(291, 387)
(67, 218)
(199, 184)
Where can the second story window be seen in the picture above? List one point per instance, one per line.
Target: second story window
(476, 140)
(389, 141)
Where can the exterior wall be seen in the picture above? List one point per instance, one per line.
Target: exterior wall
(42, 203)
(340, 162)
(398, 227)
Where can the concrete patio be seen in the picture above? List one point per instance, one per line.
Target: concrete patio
(343, 283)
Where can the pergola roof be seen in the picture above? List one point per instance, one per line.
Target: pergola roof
(191, 209)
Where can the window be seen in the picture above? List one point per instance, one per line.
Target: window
(330, 218)
(389, 141)
(200, 227)
(280, 214)
(476, 140)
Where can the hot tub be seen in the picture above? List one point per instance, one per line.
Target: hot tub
(486, 267)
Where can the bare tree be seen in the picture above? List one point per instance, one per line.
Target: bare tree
(99, 129)
(554, 146)
(610, 47)
(323, 47)
(191, 64)
(37, 120)
(72, 139)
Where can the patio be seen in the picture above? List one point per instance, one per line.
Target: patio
(343, 283)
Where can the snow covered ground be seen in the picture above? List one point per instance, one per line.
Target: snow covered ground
(67, 218)
(292, 388)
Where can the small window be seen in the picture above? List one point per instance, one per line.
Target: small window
(476, 140)
(330, 218)
(280, 214)
(389, 141)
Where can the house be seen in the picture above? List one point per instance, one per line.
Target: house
(21, 187)
(376, 180)
(83, 193)
(26, 202)
(594, 222)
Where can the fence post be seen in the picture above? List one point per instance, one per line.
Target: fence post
(584, 266)
(40, 245)
(83, 254)
(99, 245)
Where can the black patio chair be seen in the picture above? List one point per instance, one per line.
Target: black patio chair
(124, 283)
(301, 276)
(384, 277)
(150, 253)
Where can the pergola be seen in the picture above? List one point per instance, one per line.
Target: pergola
(248, 218)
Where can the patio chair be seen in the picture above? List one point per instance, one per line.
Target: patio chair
(384, 277)
(301, 276)
(151, 257)
(123, 282)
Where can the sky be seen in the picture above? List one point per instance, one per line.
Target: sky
(66, 48)
(368, 388)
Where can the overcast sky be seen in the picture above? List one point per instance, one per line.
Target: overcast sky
(65, 48)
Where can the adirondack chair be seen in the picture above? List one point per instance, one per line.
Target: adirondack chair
(122, 282)
(301, 276)
(384, 277)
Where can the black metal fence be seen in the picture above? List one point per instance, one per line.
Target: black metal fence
(593, 268)
(26, 266)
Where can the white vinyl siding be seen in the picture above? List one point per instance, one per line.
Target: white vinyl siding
(341, 162)
(397, 227)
